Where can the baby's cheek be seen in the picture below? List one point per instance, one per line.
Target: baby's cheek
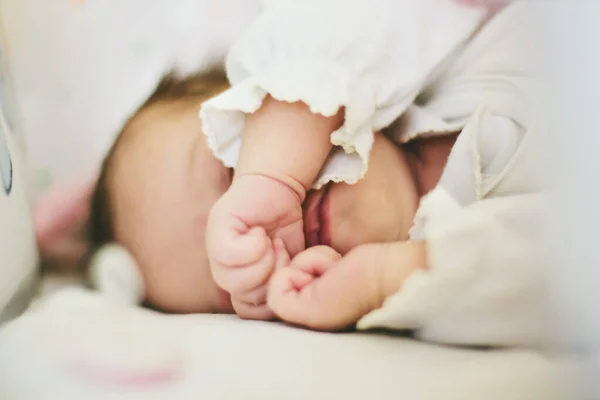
(362, 228)
(346, 229)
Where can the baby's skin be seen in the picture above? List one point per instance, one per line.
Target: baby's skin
(321, 289)
(284, 147)
(163, 192)
(255, 238)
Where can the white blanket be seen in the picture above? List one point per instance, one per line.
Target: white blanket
(70, 343)
(81, 67)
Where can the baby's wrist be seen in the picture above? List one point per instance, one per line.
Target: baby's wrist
(288, 142)
(258, 181)
(288, 182)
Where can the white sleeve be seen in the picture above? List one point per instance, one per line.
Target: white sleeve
(370, 57)
(485, 279)
(482, 151)
(484, 235)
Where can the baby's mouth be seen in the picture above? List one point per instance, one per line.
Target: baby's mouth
(316, 218)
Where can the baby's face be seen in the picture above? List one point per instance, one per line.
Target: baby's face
(379, 208)
(166, 181)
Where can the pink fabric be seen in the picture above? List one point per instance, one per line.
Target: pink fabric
(60, 209)
(59, 218)
(117, 376)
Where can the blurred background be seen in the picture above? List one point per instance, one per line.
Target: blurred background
(570, 98)
(75, 67)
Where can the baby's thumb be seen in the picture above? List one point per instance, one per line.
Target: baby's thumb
(316, 260)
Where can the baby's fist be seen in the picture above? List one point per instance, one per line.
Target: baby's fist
(322, 290)
(240, 231)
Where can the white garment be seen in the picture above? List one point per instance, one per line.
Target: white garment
(484, 221)
(431, 63)
(371, 57)
(18, 248)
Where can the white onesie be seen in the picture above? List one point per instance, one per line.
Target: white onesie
(440, 68)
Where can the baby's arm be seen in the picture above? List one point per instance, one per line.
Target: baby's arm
(313, 59)
(287, 143)
(284, 147)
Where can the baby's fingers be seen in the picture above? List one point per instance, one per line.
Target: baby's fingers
(306, 266)
(333, 301)
(243, 279)
(255, 297)
(245, 310)
(247, 302)
(286, 300)
(229, 242)
(284, 284)
(316, 260)
(282, 257)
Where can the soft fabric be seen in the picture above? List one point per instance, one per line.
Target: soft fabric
(116, 274)
(18, 251)
(483, 222)
(75, 344)
(60, 218)
(81, 67)
(485, 284)
(372, 58)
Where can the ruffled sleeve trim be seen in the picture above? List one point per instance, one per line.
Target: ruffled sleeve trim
(324, 87)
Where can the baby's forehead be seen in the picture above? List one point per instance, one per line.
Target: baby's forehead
(148, 155)
(156, 119)
(157, 132)
(151, 180)
(164, 165)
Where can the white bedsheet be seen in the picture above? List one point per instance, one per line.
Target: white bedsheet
(46, 351)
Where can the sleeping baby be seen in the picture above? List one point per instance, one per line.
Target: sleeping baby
(402, 181)
(468, 71)
(160, 181)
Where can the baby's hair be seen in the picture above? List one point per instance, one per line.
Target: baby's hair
(171, 88)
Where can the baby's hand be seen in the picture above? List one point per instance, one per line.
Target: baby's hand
(239, 239)
(325, 291)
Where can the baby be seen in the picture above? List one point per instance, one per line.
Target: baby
(156, 187)
(280, 149)
(283, 150)
(436, 68)
(461, 195)
(160, 180)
